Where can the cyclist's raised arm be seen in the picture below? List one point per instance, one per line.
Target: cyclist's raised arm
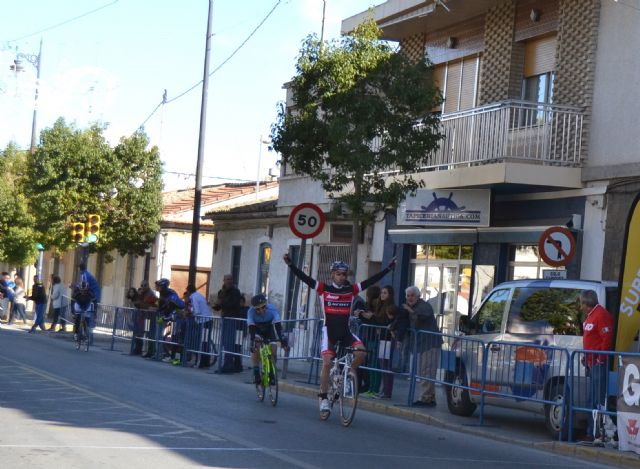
(313, 283)
(377, 277)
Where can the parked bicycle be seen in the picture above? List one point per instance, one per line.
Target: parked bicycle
(343, 386)
(268, 373)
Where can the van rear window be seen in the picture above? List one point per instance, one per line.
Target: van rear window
(545, 311)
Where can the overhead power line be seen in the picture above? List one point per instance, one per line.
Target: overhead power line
(64, 22)
(224, 62)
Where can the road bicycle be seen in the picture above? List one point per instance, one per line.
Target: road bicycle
(268, 373)
(343, 386)
(83, 332)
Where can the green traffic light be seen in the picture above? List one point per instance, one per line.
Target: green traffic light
(40, 246)
(91, 238)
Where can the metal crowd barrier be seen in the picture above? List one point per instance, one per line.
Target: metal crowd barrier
(593, 386)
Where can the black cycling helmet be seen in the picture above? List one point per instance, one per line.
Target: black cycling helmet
(162, 283)
(339, 265)
(259, 300)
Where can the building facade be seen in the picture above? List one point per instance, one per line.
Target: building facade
(537, 111)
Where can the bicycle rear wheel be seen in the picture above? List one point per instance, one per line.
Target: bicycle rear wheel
(86, 335)
(273, 383)
(348, 398)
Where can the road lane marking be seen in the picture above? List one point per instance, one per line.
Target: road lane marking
(233, 439)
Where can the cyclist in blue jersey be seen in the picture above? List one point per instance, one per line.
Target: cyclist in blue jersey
(264, 324)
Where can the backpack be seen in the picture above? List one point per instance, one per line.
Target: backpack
(83, 297)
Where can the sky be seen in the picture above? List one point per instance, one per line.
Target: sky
(111, 60)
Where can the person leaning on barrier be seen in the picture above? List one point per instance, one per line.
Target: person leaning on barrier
(597, 335)
(228, 304)
(263, 319)
(423, 319)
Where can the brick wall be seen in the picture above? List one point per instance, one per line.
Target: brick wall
(496, 73)
(575, 57)
(413, 46)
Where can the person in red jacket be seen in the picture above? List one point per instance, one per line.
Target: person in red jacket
(597, 335)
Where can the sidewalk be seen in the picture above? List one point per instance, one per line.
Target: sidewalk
(506, 425)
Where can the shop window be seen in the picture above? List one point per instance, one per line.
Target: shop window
(263, 269)
(525, 263)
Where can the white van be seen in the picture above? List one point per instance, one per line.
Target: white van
(541, 312)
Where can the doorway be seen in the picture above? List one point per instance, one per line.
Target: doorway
(443, 275)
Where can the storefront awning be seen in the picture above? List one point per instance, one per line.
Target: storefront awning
(507, 234)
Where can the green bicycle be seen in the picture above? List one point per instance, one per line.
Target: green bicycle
(268, 373)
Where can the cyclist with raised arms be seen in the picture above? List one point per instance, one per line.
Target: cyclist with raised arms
(264, 324)
(337, 298)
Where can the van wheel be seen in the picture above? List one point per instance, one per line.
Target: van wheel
(458, 399)
(556, 416)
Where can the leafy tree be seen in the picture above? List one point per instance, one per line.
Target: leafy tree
(362, 111)
(75, 173)
(17, 237)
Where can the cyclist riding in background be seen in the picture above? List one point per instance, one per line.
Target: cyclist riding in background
(83, 302)
(168, 302)
(263, 320)
(337, 298)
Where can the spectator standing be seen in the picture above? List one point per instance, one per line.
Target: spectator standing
(203, 319)
(386, 314)
(228, 302)
(399, 329)
(19, 302)
(7, 298)
(145, 302)
(57, 291)
(369, 383)
(423, 319)
(137, 321)
(39, 298)
(598, 335)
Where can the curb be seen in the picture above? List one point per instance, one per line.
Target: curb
(593, 454)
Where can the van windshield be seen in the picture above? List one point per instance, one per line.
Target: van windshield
(536, 310)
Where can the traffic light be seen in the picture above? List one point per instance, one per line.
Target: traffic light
(93, 226)
(77, 232)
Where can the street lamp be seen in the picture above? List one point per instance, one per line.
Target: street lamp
(34, 60)
(263, 141)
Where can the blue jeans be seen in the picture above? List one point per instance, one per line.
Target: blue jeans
(597, 391)
(39, 317)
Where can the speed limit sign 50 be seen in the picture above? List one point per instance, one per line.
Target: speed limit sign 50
(306, 220)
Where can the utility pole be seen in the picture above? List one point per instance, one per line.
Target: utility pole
(197, 197)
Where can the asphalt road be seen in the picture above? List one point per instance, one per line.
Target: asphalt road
(64, 408)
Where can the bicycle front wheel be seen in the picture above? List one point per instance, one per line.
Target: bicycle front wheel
(273, 383)
(348, 398)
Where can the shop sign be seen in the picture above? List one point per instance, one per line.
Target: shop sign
(468, 208)
(628, 404)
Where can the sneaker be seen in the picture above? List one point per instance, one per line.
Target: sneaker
(324, 405)
(175, 361)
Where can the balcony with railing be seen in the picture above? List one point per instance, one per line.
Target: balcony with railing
(511, 131)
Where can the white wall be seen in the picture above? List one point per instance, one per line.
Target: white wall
(593, 236)
(175, 249)
(616, 98)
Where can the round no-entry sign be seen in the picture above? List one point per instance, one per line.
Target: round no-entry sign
(306, 220)
(557, 246)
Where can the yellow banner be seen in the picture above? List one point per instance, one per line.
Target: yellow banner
(628, 323)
